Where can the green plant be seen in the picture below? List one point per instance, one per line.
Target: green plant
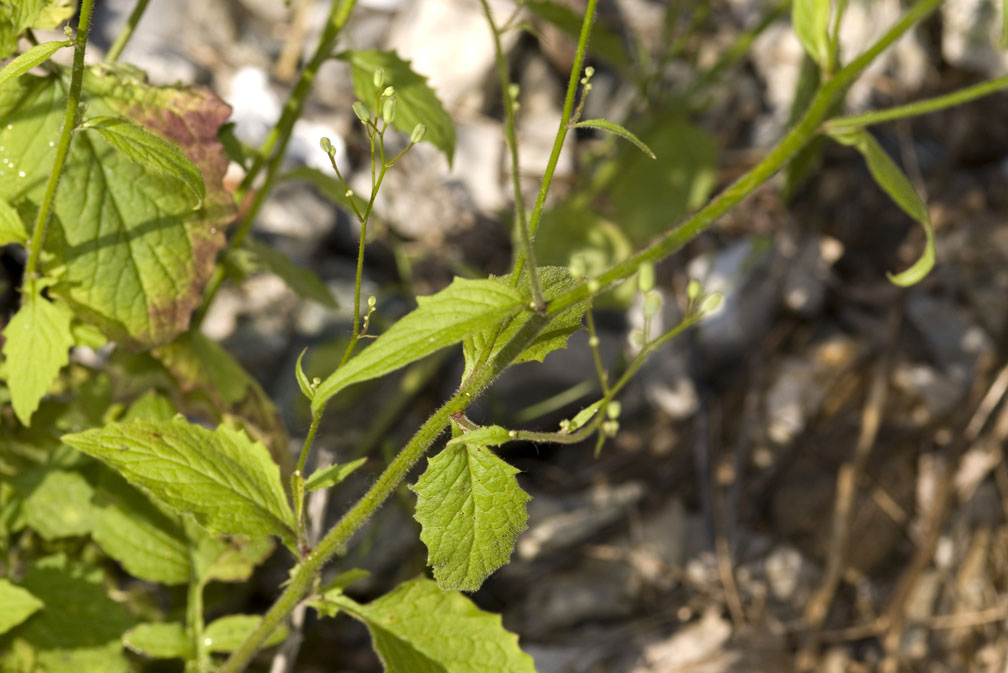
(114, 188)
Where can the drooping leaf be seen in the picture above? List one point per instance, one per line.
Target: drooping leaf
(80, 627)
(58, 505)
(147, 149)
(554, 280)
(12, 229)
(149, 543)
(29, 59)
(418, 628)
(464, 308)
(417, 102)
(470, 510)
(616, 129)
(227, 633)
(810, 19)
(136, 255)
(36, 347)
(225, 480)
(298, 278)
(894, 183)
(333, 474)
(159, 640)
(18, 605)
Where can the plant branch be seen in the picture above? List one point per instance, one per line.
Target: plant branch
(511, 137)
(63, 145)
(127, 31)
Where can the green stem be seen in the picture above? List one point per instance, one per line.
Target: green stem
(127, 31)
(511, 137)
(63, 145)
(561, 136)
(275, 145)
(799, 136)
(308, 442)
(918, 107)
(194, 624)
(303, 577)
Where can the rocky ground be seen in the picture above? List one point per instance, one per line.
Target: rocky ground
(814, 478)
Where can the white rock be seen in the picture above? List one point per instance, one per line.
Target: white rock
(971, 35)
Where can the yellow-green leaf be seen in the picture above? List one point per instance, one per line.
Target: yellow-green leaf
(18, 605)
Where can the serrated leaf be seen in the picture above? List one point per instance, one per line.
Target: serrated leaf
(80, 628)
(554, 280)
(29, 59)
(147, 542)
(616, 129)
(147, 149)
(135, 255)
(18, 605)
(227, 633)
(810, 19)
(470, 510)
(418, 628)
(893, 182)
(416, 101)
(159, 640)
(12, 229)
(221, 477)
(36, 346)
(302, 280)
(58, 505)
(332, 475)
(464, 308)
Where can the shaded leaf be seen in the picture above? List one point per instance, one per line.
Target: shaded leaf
(12, 229)
(810, 19)
(162, 640)
(616, 129)
(416, 101)
(18, 605)
(418, 628)
(470, 510)
(151, 406)
(59, 505)
(332, 475)
(227, 633)
(147, 149)
(29, 59)
(301, 279)
(463, 308)
(894, 183)
(36, 346)
(221, 477)
(230, 559)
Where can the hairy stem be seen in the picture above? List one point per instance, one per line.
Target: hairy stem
(63, 145)
(123, 38)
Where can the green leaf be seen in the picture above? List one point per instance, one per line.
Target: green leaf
(488, 435)
(151, 406)
(470, 510)
(36, 346)
(147, 542)
(227, 633)
(464, 308)
(302, 379)
(554, 280)
(160, 640)
(12, 229)
(332, 475)
(810, 19)
(230, 559)
(80, 628)
(298, 278)
(418, 628)
(894, 183)
(18, 605)
(616, 129)
(147, 149)
(606, 44)
(29, 59)
(135, 254)
(59, 505)
(18, 15)
(416, 101)
(225, 480)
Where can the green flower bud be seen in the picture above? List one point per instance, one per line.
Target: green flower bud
(388, 92)
(419, 131)
(711, 302)
(326, 145)
(379, 77)
(612, 410)
(589, 72)
(578, 268)
(513, 91)
(645, 277)
(693, 289)
(388, 110)
(593, 286)
(361, 111)
(652, 304)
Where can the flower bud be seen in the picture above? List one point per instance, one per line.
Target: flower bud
(613, 410)
(711, 302)
(693, 289)
(419, 131)
(388, 92)
(652, 304)
(326, 145)
(361, 111)
(645, 277)
(379, 77)
(388, 110)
